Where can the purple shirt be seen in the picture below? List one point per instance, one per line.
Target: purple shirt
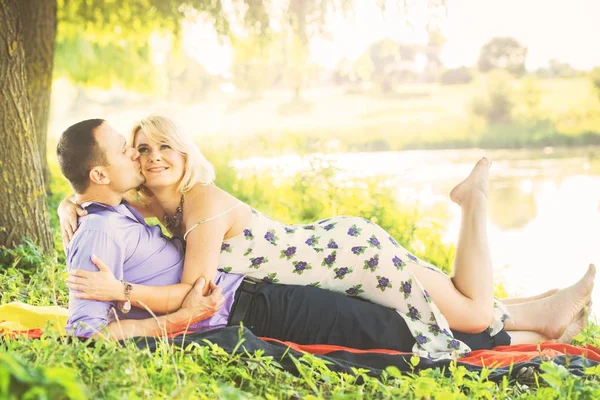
(137, 253)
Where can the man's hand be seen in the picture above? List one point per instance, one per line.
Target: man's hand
(196, 307)
(96, 285)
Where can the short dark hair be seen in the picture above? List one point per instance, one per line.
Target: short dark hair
(78, 151)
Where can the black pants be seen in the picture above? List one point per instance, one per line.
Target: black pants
(308, 315)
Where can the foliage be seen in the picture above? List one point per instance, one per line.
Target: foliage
(454, 76)
(595, 77)
(503, 53)
(254, 63)
(391, 61)
(495, 104)
(19, 380)
(557, 69)
(105, 43)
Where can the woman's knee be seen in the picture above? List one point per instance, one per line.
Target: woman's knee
(479, 319)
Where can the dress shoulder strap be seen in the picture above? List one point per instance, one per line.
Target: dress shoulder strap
(210, 219)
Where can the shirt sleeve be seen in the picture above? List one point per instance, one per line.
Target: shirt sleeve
(86, 317)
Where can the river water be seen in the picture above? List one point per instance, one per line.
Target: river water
(544, 205)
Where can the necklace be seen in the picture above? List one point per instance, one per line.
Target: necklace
(175, 222)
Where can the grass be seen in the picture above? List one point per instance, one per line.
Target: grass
(55, 368)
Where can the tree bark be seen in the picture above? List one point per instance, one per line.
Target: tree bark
(23, 210)
(38, 20)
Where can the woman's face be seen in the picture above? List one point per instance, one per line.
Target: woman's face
(161, 165)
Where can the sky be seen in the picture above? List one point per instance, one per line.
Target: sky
(566, 30)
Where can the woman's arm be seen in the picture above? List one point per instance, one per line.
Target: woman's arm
(69, 212)
(196, 307)
(103, 286)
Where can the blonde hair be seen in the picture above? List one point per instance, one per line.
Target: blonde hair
(197, 168)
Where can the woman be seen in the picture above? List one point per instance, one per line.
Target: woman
(345, 254)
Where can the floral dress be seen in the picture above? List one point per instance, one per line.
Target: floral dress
(351, 255)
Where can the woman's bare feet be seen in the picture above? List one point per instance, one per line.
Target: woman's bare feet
(578, 324)
(566, 305)
(476, 182)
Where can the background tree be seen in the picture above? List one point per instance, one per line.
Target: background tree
(496, 103)
(23, 211)
(503, 53)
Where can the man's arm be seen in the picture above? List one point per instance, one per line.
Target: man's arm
(196, 307)
(88, 316)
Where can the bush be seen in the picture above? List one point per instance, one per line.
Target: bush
(456, 76)
(495, 105)
(595, 76)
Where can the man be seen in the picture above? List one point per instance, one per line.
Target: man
(102, 168)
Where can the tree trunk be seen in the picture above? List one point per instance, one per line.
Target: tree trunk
(298, 10)
(38, 19)
(23, 211)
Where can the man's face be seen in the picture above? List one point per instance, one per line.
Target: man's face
(123, 160)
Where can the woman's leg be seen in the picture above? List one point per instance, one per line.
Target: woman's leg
(518, 300)
(551, 316)
(473, 263)
(466, 300)
(526, 337)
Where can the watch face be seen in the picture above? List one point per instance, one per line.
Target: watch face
(126, 307)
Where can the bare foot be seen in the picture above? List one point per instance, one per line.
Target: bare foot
(577, 325)
(476, 182)
(567, 304)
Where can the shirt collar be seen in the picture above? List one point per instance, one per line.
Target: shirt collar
(124, 209)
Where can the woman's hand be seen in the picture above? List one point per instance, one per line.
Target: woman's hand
(99, 285)
(68, 213)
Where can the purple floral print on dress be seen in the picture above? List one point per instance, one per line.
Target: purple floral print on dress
(329, 260)
(412, 258)
(393, 241)
(300, 267)
(288, 253)
(340, 273)
(435, 329)
(422, 339)
(406, 288)
(358, 250)
(355, 290)
(313, 240)
(270, 278)
(329, 227)
(354, 231)
(256, 262)
(226, 247)
(248, 234)
(374, 242)
(332, 244)
(398, 263)
(289, 230)
(383, 283)
(372, 263)
(413, 313)
(271, 238)
(427, 297)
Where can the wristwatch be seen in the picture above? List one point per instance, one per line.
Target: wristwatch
(127, 305)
